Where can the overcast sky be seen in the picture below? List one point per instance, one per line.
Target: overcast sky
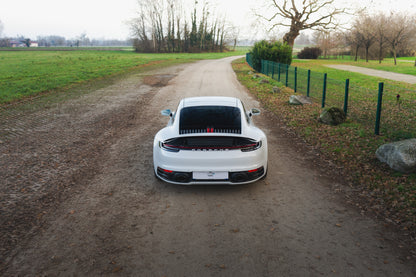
(107, 19)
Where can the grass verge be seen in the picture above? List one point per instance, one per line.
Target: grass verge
(26, 74)
(350, 145)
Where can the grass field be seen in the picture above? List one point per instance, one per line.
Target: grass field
(352, 145)
(398, 120)
(28, 73)
(356, 78)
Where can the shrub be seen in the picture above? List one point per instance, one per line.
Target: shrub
(275, 52)
(310, 53)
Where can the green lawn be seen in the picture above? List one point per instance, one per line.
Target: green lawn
(398, 118)
(29, 73)
(356, 78)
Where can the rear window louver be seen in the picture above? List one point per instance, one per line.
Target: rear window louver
(210, 119)
(209, 130)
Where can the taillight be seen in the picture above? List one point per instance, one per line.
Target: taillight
(251, 147)
(168, 147)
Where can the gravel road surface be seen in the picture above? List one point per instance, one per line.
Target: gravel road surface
(79, 198)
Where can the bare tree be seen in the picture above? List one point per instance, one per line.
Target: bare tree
(354, 39)
(401, 30)
(381, 24)
(365, 25)
(324, 40)
(302, 15)
(139, 30)
(161, 26)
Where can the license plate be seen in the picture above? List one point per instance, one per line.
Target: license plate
(210, 175)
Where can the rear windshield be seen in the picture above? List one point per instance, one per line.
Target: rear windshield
(215, 118)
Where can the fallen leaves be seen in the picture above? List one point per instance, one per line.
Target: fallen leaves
(350, 147)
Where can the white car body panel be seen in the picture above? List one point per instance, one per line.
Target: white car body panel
(212, 164)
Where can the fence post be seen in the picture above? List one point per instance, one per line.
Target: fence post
(308, 86)
(273, 66)
(379, 104)
(278, 73)
(267, 68)
(287, 75)
(347, 88)
(324, 91)
(296, 79)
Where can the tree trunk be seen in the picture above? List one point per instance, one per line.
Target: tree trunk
(380, 52)
(290, 36)
(357, 47)
(394, 55)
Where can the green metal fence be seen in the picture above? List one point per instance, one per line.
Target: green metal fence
(390, 110)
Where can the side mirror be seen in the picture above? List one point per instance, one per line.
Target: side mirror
(254, 112)
(166, 112)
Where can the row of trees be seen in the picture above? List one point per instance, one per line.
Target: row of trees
(163, 26)
(60, 41)
(379, 34)
(372, 37)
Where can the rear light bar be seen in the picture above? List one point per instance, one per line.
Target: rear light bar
(226, 143)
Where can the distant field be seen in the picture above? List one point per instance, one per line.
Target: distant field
(29, 73)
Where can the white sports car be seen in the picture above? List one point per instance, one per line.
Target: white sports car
(210, 140)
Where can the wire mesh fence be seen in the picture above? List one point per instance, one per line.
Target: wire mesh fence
(398, 119)
(395, 117)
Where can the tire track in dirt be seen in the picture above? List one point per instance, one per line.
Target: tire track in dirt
(52, 153)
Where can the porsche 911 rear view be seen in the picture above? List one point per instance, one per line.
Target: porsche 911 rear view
(210, 140)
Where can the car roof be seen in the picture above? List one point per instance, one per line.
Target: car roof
(210, 101)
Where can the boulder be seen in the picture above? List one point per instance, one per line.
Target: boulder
(264, 81)
(299, 100)
(332, 116)
(400, 155)
(276, 90)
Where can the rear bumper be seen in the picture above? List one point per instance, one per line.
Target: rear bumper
(235, 166)
(232, 178)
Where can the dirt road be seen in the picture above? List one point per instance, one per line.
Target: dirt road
(79, 198)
